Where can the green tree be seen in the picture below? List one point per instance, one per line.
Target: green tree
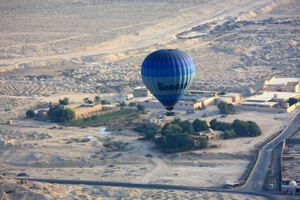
(222, 93)
(221, 126)
(176, 121)
(105, 102)
(60, 114)
(67, 115)
(131, 104)
(85, 100)
(64, 101)
(201, 142)
(140, 108)
(213, 124)
(199, 125)
(90, 102)
(164, 128)
(240, 127)
(97, 99)
(171, 129)
(187, 127)
(254, 129)
(229, 134)
(122, 104)
(223, 107)
(55, 112)
(292, 101)
(30, 113)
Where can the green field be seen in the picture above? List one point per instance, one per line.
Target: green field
(102, 120)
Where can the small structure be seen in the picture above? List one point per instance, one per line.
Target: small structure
(41, 115)
(124, 97)
(209, 134)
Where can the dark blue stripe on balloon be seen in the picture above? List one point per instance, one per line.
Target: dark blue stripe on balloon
(183, 63)
(168, 72)
(168, 100)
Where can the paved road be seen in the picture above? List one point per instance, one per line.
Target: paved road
(152, 186)
(256, 179)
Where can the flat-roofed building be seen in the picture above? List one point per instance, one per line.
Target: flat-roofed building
(271, 100)
(141, 92)
(260, 104)
(228, 98)
(274, 97)
(84, 111)
(282, 84)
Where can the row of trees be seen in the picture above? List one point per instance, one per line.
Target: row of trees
(97, 100)
(139, 107)
(238, 128)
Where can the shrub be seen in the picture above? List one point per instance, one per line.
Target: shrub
(64, 101)
(229, 134)
(225, 108)
(199, 125)
(30, 113)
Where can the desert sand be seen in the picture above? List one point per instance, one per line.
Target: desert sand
(77, 49)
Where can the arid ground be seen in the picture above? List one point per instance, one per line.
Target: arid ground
(77, 49)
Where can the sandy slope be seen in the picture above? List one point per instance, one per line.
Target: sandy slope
(108, 42)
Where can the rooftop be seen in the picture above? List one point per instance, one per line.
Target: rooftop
(271, 95)
(283, 81)
(140, 88)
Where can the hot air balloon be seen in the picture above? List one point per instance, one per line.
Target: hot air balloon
(168, 74)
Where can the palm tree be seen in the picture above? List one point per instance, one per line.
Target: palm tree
(122, 104)
(85, 100)
(97, 100)
(131, 104)
(89, 102)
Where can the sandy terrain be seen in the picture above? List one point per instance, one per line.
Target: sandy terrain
(77, 49)
(43, 151)
(41, 191)
(103, 44)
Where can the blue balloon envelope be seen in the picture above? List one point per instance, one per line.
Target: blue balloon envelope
(168, 74)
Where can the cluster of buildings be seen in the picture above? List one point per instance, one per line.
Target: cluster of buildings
(192, 100)
(276, 92)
